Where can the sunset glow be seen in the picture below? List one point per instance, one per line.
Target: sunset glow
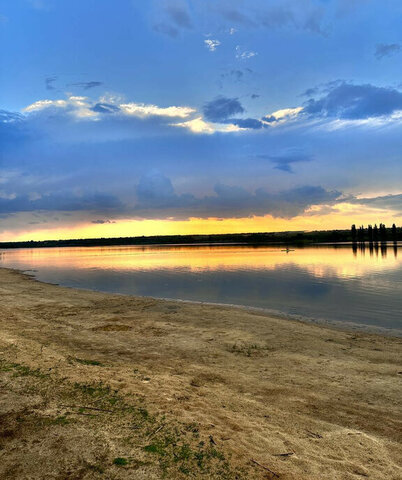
(189, 118)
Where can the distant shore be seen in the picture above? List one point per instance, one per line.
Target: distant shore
(96, 385)
(336, 236)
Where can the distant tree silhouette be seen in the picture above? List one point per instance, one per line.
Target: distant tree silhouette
(370, 233)
(360, 234)
(383, 232)
(375, 233)
(394, 233)
(354, 233)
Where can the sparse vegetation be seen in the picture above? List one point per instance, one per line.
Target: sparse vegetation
(83, 361)
(174, 448)
(248, 349)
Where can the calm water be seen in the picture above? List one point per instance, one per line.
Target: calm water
(323, 283)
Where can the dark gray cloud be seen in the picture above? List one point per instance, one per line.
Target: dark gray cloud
(221, 108)
(322, 88)
(298, 14)
(49, 83)
(158, 199)
(59, 202)
(179, 15)
(12, 131)
(310, 92)
(349, 101)
(386, 50)
(314, 22)
(386, 202)
(234, 73)
(236, 16)
(10, 117)
(176, 17)
(166, 29)
(102, 222)
(246, 122)
(285, 160)
(86, 85)
(155, 191)
(269, 119)
(105, 108)
(279, 16)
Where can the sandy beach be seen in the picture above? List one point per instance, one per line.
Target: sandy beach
(95, 385)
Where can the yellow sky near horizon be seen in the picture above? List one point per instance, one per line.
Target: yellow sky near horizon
(340, 217)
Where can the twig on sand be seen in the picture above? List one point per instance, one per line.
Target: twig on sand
(265, 468)
(287, 454)
(156, 431)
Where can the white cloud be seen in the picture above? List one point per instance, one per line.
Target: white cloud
(212, 44)
(143, 110)
(199, 125)
(79, 107)
(282, 116)
(42, 104)
(82, 107)
(243, 54)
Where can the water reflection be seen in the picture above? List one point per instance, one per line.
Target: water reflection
(375, 247)
(360, 283)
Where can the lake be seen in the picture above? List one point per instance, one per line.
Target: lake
(362, 286)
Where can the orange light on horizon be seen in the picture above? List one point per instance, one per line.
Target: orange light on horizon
(340, 217)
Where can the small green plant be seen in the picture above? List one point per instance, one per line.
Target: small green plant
(95, 468)
(120, 461)
(248, 349)
(61, 420)
(24, 371)
(157, 448)
(144, 413)
(83, 361)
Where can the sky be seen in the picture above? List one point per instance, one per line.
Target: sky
(129, 117)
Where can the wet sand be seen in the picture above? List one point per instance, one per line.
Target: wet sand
(261, 396)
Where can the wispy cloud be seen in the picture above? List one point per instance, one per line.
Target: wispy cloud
(284, 160)
(86, 85)
(282, 116)
(178, 14)
(212, 44)
(243, 54)
(386, 50)
(166, 29)
(49, 81)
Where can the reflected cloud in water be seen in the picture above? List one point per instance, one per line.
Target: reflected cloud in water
(360, 283)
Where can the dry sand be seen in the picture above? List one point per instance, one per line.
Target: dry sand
(180, 390)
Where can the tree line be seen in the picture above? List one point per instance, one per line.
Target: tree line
(375, 234)
(301, 238)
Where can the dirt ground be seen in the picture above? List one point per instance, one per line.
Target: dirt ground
(95, 385)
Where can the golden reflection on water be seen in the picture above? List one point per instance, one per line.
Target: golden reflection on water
(342, 262)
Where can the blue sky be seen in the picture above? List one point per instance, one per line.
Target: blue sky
(175, 110)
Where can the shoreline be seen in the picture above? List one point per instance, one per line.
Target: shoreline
(295, 397)
(336, 324)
